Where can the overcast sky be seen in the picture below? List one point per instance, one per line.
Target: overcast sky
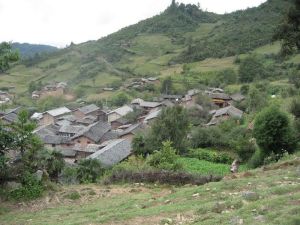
(58, 22)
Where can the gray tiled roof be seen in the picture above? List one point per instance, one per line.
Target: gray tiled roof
(113, 153)
(88, 109)
(230, 110)
(150, 104)
(70, 129)
(94, 131)
(59, 111)
(220, 96)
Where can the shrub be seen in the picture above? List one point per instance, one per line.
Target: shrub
(257, 159)
(89, 170)
(31, 188)
(68, 175)
(73, 195)
(162, 177)
(211, 156)
(207, 137)
(166, 158)
(120, 99)
(273, 132)
(3, 168)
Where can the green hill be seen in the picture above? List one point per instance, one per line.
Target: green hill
(158, 46)
(30, 50)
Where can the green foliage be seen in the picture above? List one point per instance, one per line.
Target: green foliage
(198, 116)
(50, 102)
(53, 162)
(31, 188)
(69, 175)
(167, 86)
(289, 31)
(208, 137)
(3, 168)
(256, 99)
(74, 195)
(34, 86)
(294, 78)
(273, 132)
(6, 139)
(134, 115)
(251, 68)
(171, 125)
(7, 56)
(166, 158)
(89, 170)
(119, 99)
(211, 156)
(257, 159)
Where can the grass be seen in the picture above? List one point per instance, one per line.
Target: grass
(277, 186)
(203, 167)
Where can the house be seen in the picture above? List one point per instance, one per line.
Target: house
(149, 105)
(89, 110)
(151, 116)
(119, 122)
(10, 115)
(50, 138)
(55, 89)
(173, 98)
(118, 113)
(113, 153)
(50, 117)
(224, 114)
(87, 120)
(4, 97)
(220, 99)
(91, 134)
(69, 130)
(130, 131)
(237, 97)
(136, 102)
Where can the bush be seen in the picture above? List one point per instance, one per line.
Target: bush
(273, 132)
(31, 188)
(3, 169)
(211, 156)
(69, 175)
(120, 99)
(166, 158)
(257, 159)
(208, 137)
(89, 170)
(162, 177)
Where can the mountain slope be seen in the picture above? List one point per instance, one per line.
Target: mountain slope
(29, 50)
(154, 47)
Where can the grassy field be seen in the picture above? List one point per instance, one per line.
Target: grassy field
(274, 199)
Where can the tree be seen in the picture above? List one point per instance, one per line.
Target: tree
(250, 69)
(172, 125)
(167, 85)
(22, 130)
(89, 170)
(166, 158)
(289, 31)
(256, 99)
(7, 56)
(273, 132)
(294, 78)
(120, 99)
(6, 139)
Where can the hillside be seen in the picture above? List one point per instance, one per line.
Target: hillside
(158, 46)
(269, 195)
(29, 50)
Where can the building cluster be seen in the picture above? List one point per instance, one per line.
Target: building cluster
(56, 89)
(106, 135)
(5, 97)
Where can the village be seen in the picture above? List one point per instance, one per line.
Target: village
(106, 134)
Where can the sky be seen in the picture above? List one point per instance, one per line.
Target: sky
(60, 22)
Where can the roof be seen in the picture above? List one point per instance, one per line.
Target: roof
(94, 131)
(237, 97)
(54, 139)
(70, 129)
(113, 153)
(150, 104)
(59, 111)
(110, 135)
(230, 110)
(152, 115)
(220, 96)
(87, 120)
(67, 152)
(173, 96)
(36, 116)
(10, 117)
(137, 101)
(122, 111)
(132, 129)
(88, 109)
(168, 103)
(193, 92)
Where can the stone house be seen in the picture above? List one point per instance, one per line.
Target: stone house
(118, 113)
(224, 114)
(50, 117)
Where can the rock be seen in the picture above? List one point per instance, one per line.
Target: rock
(260, 218)
(250, 196)
(12, 185)
(167, 201)
(236, 221)
(219, 207)
(39, 175)
(196, 195)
